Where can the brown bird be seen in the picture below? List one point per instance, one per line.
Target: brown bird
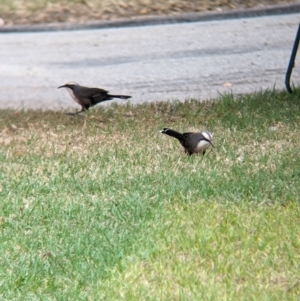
(191, 142)
(88, 97)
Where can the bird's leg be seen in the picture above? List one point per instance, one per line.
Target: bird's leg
(73, 114)
(76, 113)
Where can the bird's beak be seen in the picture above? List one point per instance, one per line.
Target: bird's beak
(61, 86)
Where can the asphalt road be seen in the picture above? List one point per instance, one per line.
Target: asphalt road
(151, 63)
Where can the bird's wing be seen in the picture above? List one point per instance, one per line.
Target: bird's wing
(200, 137)
(92, 93)
(191, 140)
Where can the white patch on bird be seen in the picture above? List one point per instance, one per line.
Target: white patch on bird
(202, 145)
(207, 135)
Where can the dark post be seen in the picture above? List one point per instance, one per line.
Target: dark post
(292, 61)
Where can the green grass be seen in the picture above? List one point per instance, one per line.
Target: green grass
(104, 207)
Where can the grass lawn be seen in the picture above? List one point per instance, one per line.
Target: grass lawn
(104, 207)
(47, 11)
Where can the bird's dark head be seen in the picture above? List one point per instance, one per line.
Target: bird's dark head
(69, 85)
(164, 130)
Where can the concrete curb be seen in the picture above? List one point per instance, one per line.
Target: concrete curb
(156, 20)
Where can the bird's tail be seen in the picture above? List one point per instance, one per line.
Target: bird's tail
(172, 133)
(120, 96)
(208, 137)
(211, 143)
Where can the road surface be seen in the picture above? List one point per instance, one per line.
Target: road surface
(151, 63)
